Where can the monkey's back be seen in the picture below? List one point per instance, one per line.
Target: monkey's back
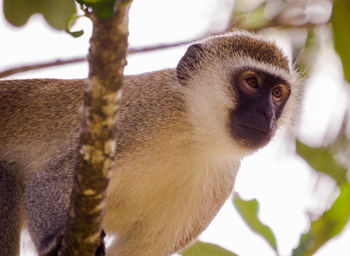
(37, 118)
(40, 116)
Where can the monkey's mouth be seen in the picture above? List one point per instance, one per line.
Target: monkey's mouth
(265, 133)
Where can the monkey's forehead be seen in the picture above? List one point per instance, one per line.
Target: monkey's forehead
(248, 45)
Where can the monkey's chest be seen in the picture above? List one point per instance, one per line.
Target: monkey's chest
(168, 200)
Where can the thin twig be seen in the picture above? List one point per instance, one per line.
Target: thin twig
(60, 62)
(24, 68)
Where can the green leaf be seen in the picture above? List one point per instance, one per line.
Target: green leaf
(57, 12)
(76, 34)
(70, 22)
(102, 8)
(206, 249)
(17, 12)
(248, 211)
(321, 160)
(340, 24)
(327, 226)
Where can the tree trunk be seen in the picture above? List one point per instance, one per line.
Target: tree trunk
(107, 53)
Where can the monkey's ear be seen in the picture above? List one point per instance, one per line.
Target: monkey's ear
(190, 62)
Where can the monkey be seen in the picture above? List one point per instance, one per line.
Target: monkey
(10, 211)
(181, 135)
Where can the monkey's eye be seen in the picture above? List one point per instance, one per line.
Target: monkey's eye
(252, 82)
(277, 92)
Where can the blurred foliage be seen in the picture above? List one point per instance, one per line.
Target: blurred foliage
(206, 249)
(250, 20)
(330, 224)
(306, 56)
(333, 220)
(60, 14)
(340, 24)
(322, 160)
(249, 212)
(56, 13)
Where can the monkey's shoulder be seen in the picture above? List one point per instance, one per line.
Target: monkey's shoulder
(32, 95)
(159, 87)
(156, 94)
(152, 105)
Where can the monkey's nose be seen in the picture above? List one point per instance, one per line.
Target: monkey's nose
(268, 114)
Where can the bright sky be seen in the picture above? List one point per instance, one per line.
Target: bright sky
(284, 187)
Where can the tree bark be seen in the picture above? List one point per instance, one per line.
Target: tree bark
(106, 58)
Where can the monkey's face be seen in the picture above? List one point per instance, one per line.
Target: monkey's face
(261, 98)
(239, 90)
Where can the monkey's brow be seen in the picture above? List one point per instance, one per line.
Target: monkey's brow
(259, 50)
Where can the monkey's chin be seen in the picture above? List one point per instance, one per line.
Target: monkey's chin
(251, 137)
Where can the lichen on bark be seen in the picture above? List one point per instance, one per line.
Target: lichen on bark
(107, 53)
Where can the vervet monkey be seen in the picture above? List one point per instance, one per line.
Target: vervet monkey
(181, 135)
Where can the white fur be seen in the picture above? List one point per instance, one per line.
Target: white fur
(172, 194)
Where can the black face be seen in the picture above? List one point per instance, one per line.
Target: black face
(260, 101)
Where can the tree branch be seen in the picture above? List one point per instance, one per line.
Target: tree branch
(24, 68)
(60, 62)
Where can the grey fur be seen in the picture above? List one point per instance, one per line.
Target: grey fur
(11, 210)
(47, 198)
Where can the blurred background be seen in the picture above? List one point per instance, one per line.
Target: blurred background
(293, 196)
